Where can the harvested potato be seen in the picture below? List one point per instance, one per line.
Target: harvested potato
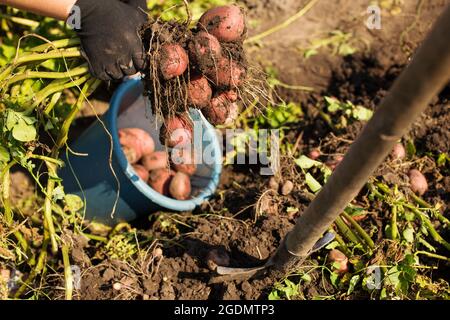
(177, 131)
(183, 160)
(156, 160)
(418, 182)
(141, 172)
(173, 61)
(160, 180)
(339, 260)
(199, 92)
(226, 23)
(147, 145)
(180, 186)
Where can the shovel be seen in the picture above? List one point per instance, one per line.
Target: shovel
(423, 79)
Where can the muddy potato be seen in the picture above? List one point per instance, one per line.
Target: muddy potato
(176, 131)
(226, 74)
(183, 160)
(217, 112)
(160, 180)
(199, 92)
(141, 172)
(226, 23)
(180, 186)
(173, 61)
(232, 95)
(156, 160)
(418, 182)
(205, 49)
(221, 110)
(339, 261)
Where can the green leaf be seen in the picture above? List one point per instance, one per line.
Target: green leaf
(274, 295)
(312, 183)
(24, 132)
(11, 120)
(442, 159)
(74, 202)
(58, 193)
(346, 50)
(362, 113)
(410, 149)
(309, 53)
(334, 104)
(306, 163)
(334, 278)
(353, 282)
(408, 234)
(4, 154)
(306, 278)
(332, 245)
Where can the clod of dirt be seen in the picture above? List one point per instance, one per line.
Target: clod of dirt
(273, 184)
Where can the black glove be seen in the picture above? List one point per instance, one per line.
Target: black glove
(109, 36)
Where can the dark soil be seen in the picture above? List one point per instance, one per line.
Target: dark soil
(235, 225)
(248, 217)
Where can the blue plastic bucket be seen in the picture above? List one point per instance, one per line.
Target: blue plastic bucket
(88, 174)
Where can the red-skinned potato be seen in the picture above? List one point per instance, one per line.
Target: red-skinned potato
(180, 186)
(160, 180)
(199, 92)
(398, 152)
(221, 110)
(232, 95)
(314, 154)
(226, 23)
(131, 154)
(418, 182)
(142, 137)
(217, 112)
(173, 61)
(205, 49)
(131, 146)
(183, 160)
(141, 172)
(156, 160)
(332, 164)
(339, 260)
(226, 74)
(176, 131)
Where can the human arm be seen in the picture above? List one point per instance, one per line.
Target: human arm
(58, 9)
(109, 31)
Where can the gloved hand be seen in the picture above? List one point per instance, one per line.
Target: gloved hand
(109, 36)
